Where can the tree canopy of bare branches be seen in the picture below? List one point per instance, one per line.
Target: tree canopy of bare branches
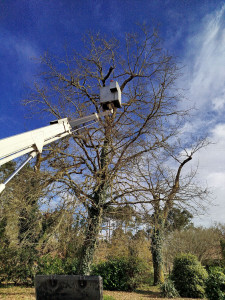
(95, 165)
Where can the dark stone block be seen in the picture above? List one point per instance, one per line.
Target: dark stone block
(68, 287)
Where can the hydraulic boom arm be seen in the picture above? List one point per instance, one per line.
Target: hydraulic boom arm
(32, 142)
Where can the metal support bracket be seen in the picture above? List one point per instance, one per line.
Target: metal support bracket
(2, 185)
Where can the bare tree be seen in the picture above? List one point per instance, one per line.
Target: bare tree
(161, 187)
(202, 242)
(93, 165)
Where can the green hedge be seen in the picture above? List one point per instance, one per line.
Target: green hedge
(17, 266)
(120, 274)
(21, 265)
(49, 265)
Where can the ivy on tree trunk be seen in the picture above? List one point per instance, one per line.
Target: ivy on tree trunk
(157, 255)
(89, 246)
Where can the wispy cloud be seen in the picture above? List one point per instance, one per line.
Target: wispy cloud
(19, 53)
(205, 59)
(204, 81)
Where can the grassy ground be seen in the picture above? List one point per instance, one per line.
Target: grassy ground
(22, 293)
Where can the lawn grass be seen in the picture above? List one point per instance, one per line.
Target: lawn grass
(17, 293)
(105, 297)
(144, 293)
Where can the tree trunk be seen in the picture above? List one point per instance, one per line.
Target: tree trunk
(157, 255)
(89, 246)
(95, 214)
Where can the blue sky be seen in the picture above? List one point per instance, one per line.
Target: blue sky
(28, 28)
(192, 30)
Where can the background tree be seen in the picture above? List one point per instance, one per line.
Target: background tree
(20, 205)
(220, 229)
(93, 166)
(124, 216)
(165, 187)
(31, 229)
(204, 243)
(21, 221)
(178, 218)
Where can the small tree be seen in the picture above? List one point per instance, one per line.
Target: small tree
(164, 188)
(20, 221)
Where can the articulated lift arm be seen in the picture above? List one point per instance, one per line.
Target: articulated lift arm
(32, 142)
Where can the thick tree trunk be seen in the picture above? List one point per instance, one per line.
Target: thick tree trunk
(89, 246)
(157, 255)
(95, 215)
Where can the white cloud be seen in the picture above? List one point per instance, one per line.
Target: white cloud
(211, 171)
(218, 103)
(219, 133)
(24, 49)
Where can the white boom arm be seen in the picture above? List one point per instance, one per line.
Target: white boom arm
(33, 141)
(30, 141)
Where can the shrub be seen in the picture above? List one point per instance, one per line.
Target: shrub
(20, 265)
(49, 265)
(70, 266)
(168, 289)
(189, 276)
(212, 263)
(215, 284)
(17, 265)
(121, 274)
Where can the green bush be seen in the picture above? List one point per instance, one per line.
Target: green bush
(17, 265)
(120, 274)
(211, 263)
(215, 284)
(49, 265)
(20, 265)
(189, 276)
(70, 266)
(168, 289)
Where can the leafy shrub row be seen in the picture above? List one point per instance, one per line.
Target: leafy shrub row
(188, 278)
(54, 265)
(17, 266)
(21, 265)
